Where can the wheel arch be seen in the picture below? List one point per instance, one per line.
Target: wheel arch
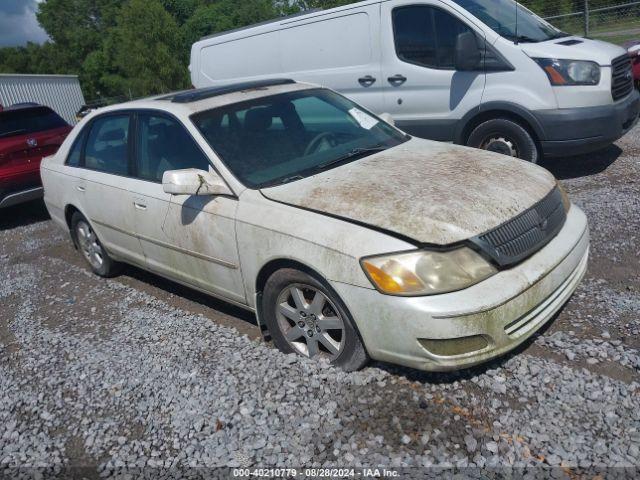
(69, 210)
(271, 267)
(494, 110)
(268, 269)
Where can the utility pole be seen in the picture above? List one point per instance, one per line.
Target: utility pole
(586, 18)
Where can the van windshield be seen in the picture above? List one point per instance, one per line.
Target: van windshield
(500, 16)
(286, 137)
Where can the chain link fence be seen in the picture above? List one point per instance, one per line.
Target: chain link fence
(615, 23)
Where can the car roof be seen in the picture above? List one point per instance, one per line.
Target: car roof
(23, 106)
(188, 102)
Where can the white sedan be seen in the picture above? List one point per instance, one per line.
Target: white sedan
(349, 239)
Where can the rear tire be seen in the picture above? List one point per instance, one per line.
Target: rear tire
(507, 137)
(305, 316)
(89, 245)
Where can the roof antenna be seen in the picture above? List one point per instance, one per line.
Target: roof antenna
(516, 40)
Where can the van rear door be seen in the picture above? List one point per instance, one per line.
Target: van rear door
(423, 91)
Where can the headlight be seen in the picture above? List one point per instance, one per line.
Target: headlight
(425, 272)
(570, 72)
(565, 198)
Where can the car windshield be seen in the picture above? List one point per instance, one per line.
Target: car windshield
(501, 17)
(22, 121)
(286, 137)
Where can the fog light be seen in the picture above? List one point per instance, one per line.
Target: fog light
(450, 347)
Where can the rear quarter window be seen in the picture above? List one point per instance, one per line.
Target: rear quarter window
(29, 120)
(75, 154)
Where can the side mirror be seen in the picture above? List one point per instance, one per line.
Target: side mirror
(387, 118)
(467, 57)
(192, 181)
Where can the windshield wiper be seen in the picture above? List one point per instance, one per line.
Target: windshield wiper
(351, 155)
(525, 39)
(290, 179)
(356, 152)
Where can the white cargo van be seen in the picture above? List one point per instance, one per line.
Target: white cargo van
(483, 73)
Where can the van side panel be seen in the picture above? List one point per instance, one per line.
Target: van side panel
(339, 49)
(339, 42)
(252, 56)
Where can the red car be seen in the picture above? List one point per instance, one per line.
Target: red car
(28, 132)
(633, 48)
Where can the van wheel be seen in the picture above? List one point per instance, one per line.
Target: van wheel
(89, 245)
(506, 137)
(304, 316)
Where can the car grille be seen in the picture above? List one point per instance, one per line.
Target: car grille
(622, 77)
(522, 236)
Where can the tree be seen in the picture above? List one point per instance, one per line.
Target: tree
(77, 27)
(226, 15)
(141, 54)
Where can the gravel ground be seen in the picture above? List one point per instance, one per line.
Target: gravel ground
(100, 374)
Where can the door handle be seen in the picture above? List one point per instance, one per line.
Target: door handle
(81, 189)
(139, 206)
(397, 80)
(367, 81)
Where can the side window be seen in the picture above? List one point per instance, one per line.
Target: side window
(75, 154)
(108, 146)
(426, 36)
(164, 144)
(415, 35)
(448, 28)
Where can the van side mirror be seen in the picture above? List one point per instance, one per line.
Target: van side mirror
(467, 56)
(192, 181)
(386, 117)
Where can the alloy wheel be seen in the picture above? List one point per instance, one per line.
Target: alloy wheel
(310, 322)
(89, 245)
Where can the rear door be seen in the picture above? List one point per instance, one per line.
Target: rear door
(423, 91)
(341, 52)
(105, 188)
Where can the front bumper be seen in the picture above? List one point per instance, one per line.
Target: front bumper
(573, 131)
(495, 315)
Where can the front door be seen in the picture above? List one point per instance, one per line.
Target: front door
(188, 238)
(423, 91)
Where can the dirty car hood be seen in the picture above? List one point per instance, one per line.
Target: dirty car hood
(427, 191)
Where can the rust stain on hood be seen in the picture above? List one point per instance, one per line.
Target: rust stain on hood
(432, 192)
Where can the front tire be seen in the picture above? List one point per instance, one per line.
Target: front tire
(305, 316)
(89, 245)
(506, 137)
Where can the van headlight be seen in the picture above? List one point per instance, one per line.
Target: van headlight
(570, 72)
(426, 272)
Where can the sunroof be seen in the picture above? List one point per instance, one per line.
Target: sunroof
(208, 92)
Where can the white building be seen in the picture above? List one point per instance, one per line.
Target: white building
(62, 93)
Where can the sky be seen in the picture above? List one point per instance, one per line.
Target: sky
(18, 24)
